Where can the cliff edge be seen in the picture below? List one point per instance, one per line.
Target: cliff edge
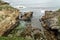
(8, 17)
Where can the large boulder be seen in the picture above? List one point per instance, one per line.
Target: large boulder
(27, 16)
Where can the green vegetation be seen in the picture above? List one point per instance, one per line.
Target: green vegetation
(1, 17)
(0, 8)
(6, 7)
(59, 20)
(13, 38)
(19, 28)
(58, 10)
(13, 35)
(3, 3)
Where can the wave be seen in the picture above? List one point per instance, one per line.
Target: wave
(20, 7)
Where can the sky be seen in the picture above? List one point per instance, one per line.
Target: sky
(40, 3)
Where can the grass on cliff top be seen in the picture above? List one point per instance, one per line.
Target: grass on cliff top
(8, 38)
(59, 20)
(13, 38)
(2, 2)
(7, 7)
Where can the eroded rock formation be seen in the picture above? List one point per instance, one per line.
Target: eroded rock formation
(50, 22)
(27, 16)
(8, 17)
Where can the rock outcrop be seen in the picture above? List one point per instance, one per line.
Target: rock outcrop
(51, 23)
(8, 17)
(51, 18)
(27, 16)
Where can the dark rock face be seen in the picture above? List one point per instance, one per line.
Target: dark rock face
(27, 16)
(49, 35)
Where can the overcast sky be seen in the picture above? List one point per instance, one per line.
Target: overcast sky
(43, 3)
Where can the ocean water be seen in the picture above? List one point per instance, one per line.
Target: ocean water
(36, 8)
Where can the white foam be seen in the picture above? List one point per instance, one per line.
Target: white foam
(20, 7)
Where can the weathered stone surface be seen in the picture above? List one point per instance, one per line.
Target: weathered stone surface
(8, 18)
(27, 16)
(49, 35)
(51, 18)
(50, 22)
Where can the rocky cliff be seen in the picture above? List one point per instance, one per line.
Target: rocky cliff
(51, 22)
(52, 19)
(8, 17)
